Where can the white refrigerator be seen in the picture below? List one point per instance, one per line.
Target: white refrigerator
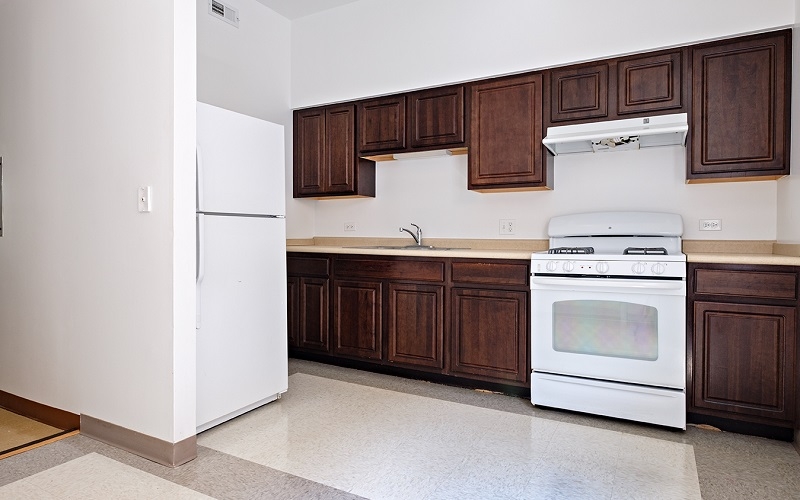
(242, 359)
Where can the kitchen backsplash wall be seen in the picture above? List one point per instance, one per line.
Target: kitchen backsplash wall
(372, 47)
(433, 194)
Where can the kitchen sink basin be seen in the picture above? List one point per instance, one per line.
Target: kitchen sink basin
(408, 247)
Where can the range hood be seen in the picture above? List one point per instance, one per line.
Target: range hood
(618, 135)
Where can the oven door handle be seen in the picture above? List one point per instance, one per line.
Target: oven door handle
(676, 287)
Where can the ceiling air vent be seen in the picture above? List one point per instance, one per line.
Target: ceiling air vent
(224, 12)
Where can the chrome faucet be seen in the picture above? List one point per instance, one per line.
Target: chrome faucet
(417, 237)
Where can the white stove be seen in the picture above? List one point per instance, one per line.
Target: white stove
(608, 317)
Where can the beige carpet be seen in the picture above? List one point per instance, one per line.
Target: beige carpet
(17, 431)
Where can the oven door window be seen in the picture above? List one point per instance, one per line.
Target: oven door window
(606, 328)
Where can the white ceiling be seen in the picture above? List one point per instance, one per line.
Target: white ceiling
(293, 9)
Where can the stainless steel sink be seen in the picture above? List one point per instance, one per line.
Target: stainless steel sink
(408, 247)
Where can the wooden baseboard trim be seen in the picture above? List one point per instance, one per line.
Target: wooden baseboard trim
(37, 444)
(159, 451)
(60, 419)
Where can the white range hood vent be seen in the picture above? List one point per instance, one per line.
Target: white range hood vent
(618, 135)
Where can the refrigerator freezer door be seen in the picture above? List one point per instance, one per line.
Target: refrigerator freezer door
(240, 163)
(242, 359)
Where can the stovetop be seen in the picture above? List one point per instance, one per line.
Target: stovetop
(614, 244)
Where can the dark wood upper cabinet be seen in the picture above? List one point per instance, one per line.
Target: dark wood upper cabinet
(325, 159)
(382, 124)
(505, 150)
(436, 117)
(650, 83)
(736, 93)
(309, 151)
(653, 83)
(740, 108)
(579, 93)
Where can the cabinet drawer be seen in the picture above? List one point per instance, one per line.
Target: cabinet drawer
(491, 273)
(307, 266)
(770, 285)
(406, 270)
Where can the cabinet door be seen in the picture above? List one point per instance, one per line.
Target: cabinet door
(744, 359)
(649, 83)
(325, 160)
(490, 334)
(436, 117)
(313, 314)
(358, 324)
(293, 313)
(579, 93)
(415, 324)
(309, 152)
(382, 124)
(340, 154)
(506, 134)
(740, 109)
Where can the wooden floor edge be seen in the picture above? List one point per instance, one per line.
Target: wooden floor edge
(41, 443)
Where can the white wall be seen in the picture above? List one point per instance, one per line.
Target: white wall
(91, 295)
(789, 187)
(374, 47)
(248, 70)
(433, 194)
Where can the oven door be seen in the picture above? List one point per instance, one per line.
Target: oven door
(624, 330)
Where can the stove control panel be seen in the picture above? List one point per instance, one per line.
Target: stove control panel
(558, 265)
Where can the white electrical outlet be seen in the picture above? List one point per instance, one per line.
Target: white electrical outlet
(507, 226)
(145, 198)
(710, 224)
(349, 226)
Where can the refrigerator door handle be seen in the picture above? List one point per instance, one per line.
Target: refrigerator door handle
(201, 267)
(198, 161)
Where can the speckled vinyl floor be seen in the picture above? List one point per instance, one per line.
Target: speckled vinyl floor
(342, 433)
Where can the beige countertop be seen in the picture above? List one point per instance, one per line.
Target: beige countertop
(744, 258)
(717, 251)
(742, 252)
(476, 249)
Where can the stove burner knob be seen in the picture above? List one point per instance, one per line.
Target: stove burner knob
(601, 267)
(658, 268)
(568, 266)
(639, 268)
(552, 265)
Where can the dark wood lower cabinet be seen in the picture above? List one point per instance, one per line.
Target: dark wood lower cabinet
(415, 329)
(745, 356)
(313, 314)
(462, 321)
(357, 312)
(742, 347)
(308, 309)
(489, 333)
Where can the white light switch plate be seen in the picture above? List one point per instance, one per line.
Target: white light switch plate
(146, 199)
